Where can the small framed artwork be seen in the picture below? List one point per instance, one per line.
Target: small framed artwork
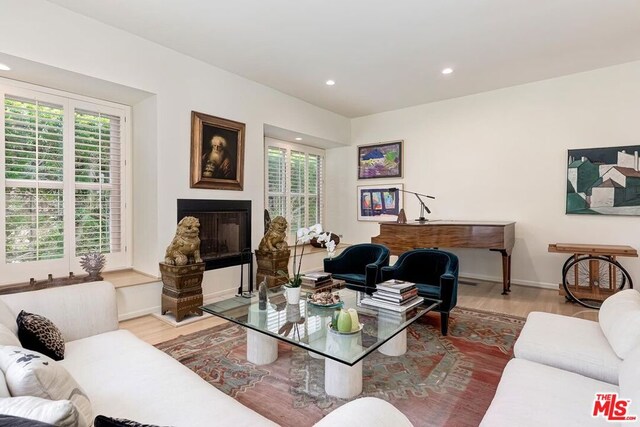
(382, 160)
(217, 152)
(379, 202)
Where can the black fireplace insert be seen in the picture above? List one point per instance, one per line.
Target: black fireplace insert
(225, 229)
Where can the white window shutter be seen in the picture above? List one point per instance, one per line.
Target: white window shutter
(294, 183)
(276, 181)
(98, 205)
(34, 208)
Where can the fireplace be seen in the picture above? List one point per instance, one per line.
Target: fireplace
(225, 229)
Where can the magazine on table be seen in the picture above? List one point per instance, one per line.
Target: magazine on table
(392, 306)
(395, 286)
(394, 297)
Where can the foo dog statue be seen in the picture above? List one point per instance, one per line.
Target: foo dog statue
(185, 246)
(275, 239)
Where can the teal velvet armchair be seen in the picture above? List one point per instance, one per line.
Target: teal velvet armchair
(359, 264)
(435, 274)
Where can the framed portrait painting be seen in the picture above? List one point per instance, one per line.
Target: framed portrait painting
(379, 202)
(382, 160)
(217, 152)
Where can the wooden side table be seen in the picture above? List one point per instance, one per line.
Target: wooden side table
(592, 273)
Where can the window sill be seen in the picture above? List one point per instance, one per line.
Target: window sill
(308, 249)
(128, 277)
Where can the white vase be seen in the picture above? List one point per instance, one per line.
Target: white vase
(292, 295)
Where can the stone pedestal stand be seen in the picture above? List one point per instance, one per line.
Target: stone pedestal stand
(396, 346)
(269, 263)
(341, 380)
(261, 349)
(182, 289)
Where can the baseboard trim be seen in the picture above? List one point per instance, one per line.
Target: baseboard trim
(517, 282)
(207, 298)
(138, 313)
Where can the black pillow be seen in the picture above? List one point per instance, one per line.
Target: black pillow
(39, 334)
(102, 421)
(11, 421)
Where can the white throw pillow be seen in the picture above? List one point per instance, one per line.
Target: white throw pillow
(629, 380)
(619, 319)
(7, 337)
(60, 413)
(4, 390)
(7, 317)
(29, 373)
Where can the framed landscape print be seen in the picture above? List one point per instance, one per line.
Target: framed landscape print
(379, 202)
(217, 152)
(604, 181)
(382, 160)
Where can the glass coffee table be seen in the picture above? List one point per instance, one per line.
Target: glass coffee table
(307, 326)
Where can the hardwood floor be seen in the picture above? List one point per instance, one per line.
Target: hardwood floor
(479, 295)
(154, 331)
(520, 302)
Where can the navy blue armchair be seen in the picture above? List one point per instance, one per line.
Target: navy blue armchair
(359, 264)
(435, 274)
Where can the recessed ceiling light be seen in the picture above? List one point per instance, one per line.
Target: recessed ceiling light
(4, 67)
(330, 82)
(447, 71)
(298, 139)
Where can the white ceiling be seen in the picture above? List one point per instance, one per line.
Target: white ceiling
(384, 54)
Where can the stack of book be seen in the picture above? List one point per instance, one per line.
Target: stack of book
(316, 278)
(396, 295)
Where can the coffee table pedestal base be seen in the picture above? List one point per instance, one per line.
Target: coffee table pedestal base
(396, 346)
(261, 349)
(342, 380)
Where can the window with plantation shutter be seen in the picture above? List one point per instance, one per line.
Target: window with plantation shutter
(64, 193)
(294, 183)
(98, 210)
(33, 152)
(276, 181)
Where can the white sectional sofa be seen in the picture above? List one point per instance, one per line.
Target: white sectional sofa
(127, 378)
(561, 363)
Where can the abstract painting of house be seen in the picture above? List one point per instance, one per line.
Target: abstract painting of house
(604, 181)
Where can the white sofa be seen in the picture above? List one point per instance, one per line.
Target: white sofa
(127, 378)
(562, 362)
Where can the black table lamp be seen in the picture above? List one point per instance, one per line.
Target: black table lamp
(423, 207)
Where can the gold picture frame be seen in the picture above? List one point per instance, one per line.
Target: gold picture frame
(217, 152)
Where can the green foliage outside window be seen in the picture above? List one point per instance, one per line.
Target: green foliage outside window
(34, 210)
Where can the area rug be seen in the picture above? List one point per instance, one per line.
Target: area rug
(440, 381)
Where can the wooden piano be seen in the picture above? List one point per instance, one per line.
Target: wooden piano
(495, 236)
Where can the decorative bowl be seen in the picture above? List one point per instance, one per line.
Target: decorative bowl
(314, 242)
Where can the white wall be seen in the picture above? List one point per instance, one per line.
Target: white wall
(63, 39)
(145, 206)
(502, 155)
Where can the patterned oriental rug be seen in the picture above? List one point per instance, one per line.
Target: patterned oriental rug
(440, 381)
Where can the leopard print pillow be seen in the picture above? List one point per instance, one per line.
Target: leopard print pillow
(39, 334)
